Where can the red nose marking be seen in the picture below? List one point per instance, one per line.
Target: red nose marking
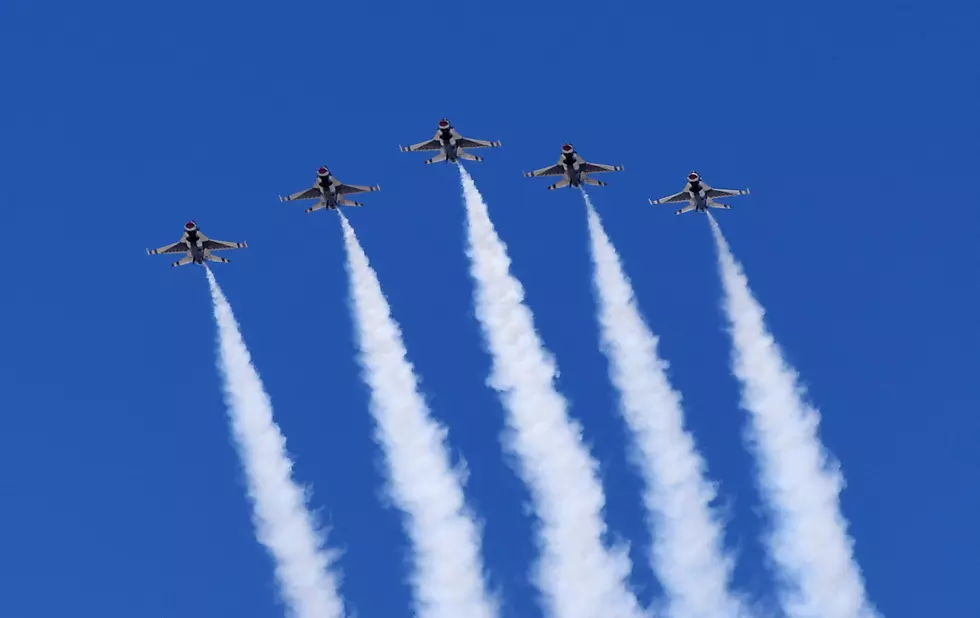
(692, 176)
(443, 123)
(322, 171)
(567, 147)
(190, 225)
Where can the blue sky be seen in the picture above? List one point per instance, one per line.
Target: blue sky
(854, 126)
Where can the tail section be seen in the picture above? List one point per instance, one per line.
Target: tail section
(349, 203)
(719, 205)
(439, 158)
(561, 184)
(587, 180)
(184, 261)
(216, 258)
(687, 208)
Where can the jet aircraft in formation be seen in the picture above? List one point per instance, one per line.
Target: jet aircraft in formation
(330, 193)
(699, 195)
(197, 246)
(575, 170)
(451, 143)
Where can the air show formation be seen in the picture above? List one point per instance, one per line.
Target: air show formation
(577, 573)
(330, 193)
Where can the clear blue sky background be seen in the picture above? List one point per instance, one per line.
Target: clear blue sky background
(854, 124)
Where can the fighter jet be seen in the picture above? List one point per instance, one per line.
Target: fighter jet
(699, 195)
(329, 192)
(197, 246)
(451, 143)
(575, 170)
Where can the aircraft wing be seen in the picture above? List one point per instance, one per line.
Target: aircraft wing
(220, 245)
(712, 192)
(178, 247)
(465, 142)
(593, 168)
(345, 189)
(431, 144)
(305, 194)
(554, 170)
(676, 198)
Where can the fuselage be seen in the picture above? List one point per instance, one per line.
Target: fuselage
(696, 191)
(194, 242)
(328, 189)
(569, 160)
(448, 139)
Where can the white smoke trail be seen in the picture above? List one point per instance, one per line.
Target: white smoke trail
(282, 522)
(799, 479)
(448, 576)
(577, 575)
(687, 552)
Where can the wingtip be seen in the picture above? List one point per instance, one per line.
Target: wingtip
(403, 148)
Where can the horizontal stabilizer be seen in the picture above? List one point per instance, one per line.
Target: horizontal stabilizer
(317, 206)
(439, 158)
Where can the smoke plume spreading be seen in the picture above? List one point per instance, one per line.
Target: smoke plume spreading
(448, 568)
(283, 523)
(687, 553)
(578, 576)
(798, 478)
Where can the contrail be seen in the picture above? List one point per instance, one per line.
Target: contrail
(687, 552)
(799, 479)
(282, 521)
(448, 577)
(577, 575)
